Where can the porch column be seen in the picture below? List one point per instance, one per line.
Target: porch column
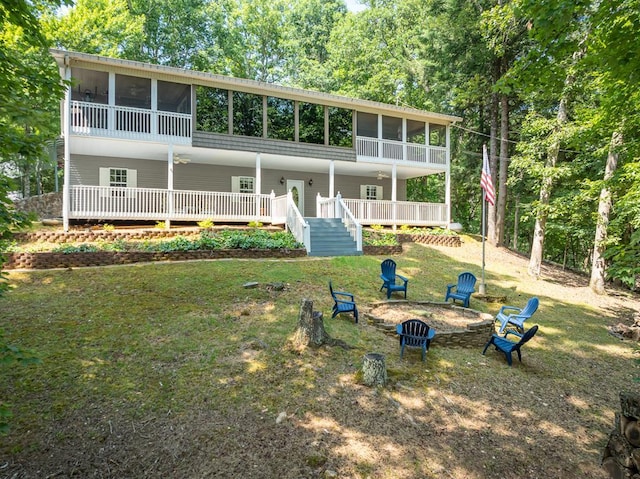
(331, 178)
(66, 130)
(380, 145)
(258, 186)
(111, 118)
(394, 192)
(154, 106)
(447, 178)
(169, 186)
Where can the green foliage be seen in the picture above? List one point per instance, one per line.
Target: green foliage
(208, 223)
(377, 227)
(161, 225)
(76, 248)
(379, 238)
(255, 224)
(108, 227)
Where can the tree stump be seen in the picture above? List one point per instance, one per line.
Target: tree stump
(311, 329)
(374, 370)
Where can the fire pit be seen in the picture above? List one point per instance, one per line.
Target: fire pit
(455, 326)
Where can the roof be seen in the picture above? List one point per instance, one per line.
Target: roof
(64, 58)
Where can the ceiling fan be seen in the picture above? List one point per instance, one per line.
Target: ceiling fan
(380, 175)
(178, 160)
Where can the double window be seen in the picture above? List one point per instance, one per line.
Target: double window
(370, 192)
(242, 184)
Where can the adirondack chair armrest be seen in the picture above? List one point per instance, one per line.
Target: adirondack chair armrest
(450, 287)
(509, 308)
(384, 278)
(402, 278)
(346, 295)
(515, 333)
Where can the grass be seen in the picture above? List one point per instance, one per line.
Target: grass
(177, 370)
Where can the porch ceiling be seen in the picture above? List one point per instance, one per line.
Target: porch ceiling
(135, 149)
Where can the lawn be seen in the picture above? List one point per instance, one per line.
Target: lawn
(176, 370)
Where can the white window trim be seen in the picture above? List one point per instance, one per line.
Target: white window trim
(236, 181)
(105, 179)
(378, 190)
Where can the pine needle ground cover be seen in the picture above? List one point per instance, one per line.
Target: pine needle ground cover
(177, 370)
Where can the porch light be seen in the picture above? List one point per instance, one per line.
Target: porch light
(310, 181)
(282, 180)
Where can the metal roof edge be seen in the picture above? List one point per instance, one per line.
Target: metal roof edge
(254, 86)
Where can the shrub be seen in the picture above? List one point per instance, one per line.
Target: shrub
(108, 227)
(206, 224)
(72, 248)
(160, 225)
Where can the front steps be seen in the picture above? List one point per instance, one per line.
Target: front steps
(329, 237)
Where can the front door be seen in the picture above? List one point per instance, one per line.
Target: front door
(297, 191)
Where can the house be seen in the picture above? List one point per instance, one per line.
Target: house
(155, 143)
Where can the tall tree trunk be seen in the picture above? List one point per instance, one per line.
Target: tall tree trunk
(537, 246)
(503, 171)
(493, 164)
(598, 266)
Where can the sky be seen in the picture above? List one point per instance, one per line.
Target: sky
(354, 6)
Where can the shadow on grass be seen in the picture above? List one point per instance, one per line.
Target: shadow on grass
(176, 370)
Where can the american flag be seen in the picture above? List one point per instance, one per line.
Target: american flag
(485, 180)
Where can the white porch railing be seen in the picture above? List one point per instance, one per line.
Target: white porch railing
(109, 203)
(96, 119)
(374, 149)
(337, 208)
(296, 224)
(389, 213)
(153, 204)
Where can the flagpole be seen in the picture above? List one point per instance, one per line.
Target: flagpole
(483, 289)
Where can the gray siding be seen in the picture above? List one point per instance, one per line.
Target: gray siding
(277, 147)
(85, 170)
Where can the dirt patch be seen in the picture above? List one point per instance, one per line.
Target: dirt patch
(438, 316)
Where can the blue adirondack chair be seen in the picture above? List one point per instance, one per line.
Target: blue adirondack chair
(343, 303)
(415, 334)
(508, 347)
(389, 277)
(518, 317)
(463, 290)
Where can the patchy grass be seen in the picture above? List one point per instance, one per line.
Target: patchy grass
(176, 370)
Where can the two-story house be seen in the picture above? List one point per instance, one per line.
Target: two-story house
(155, 143)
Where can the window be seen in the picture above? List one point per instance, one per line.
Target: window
(90, 86)
(174, 97)
(247, 114)
(133, 91)
(415, 132)
(242, 184)
(437, 135)
(340, 127)
(212, 110)
(118, 178)
(280, 119)
(311, 123)
(370, 192)
(367, 125)
(392, 128)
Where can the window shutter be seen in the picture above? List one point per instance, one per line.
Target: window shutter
(363, 192)
(132, 182)
(379, 192)
(104, 177)
(132, 178)
(235, 184)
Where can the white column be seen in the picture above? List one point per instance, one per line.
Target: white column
(394, 192)
(331, 178)
(447, 178)
(404, 139)
(66, 131)
(258, 185)
(154, 106)
(111, 121)
(169, 186)
(380, 148)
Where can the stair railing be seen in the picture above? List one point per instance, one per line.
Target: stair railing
(296, 224)
(337, 208)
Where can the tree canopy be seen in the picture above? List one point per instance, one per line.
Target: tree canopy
(546, 85)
